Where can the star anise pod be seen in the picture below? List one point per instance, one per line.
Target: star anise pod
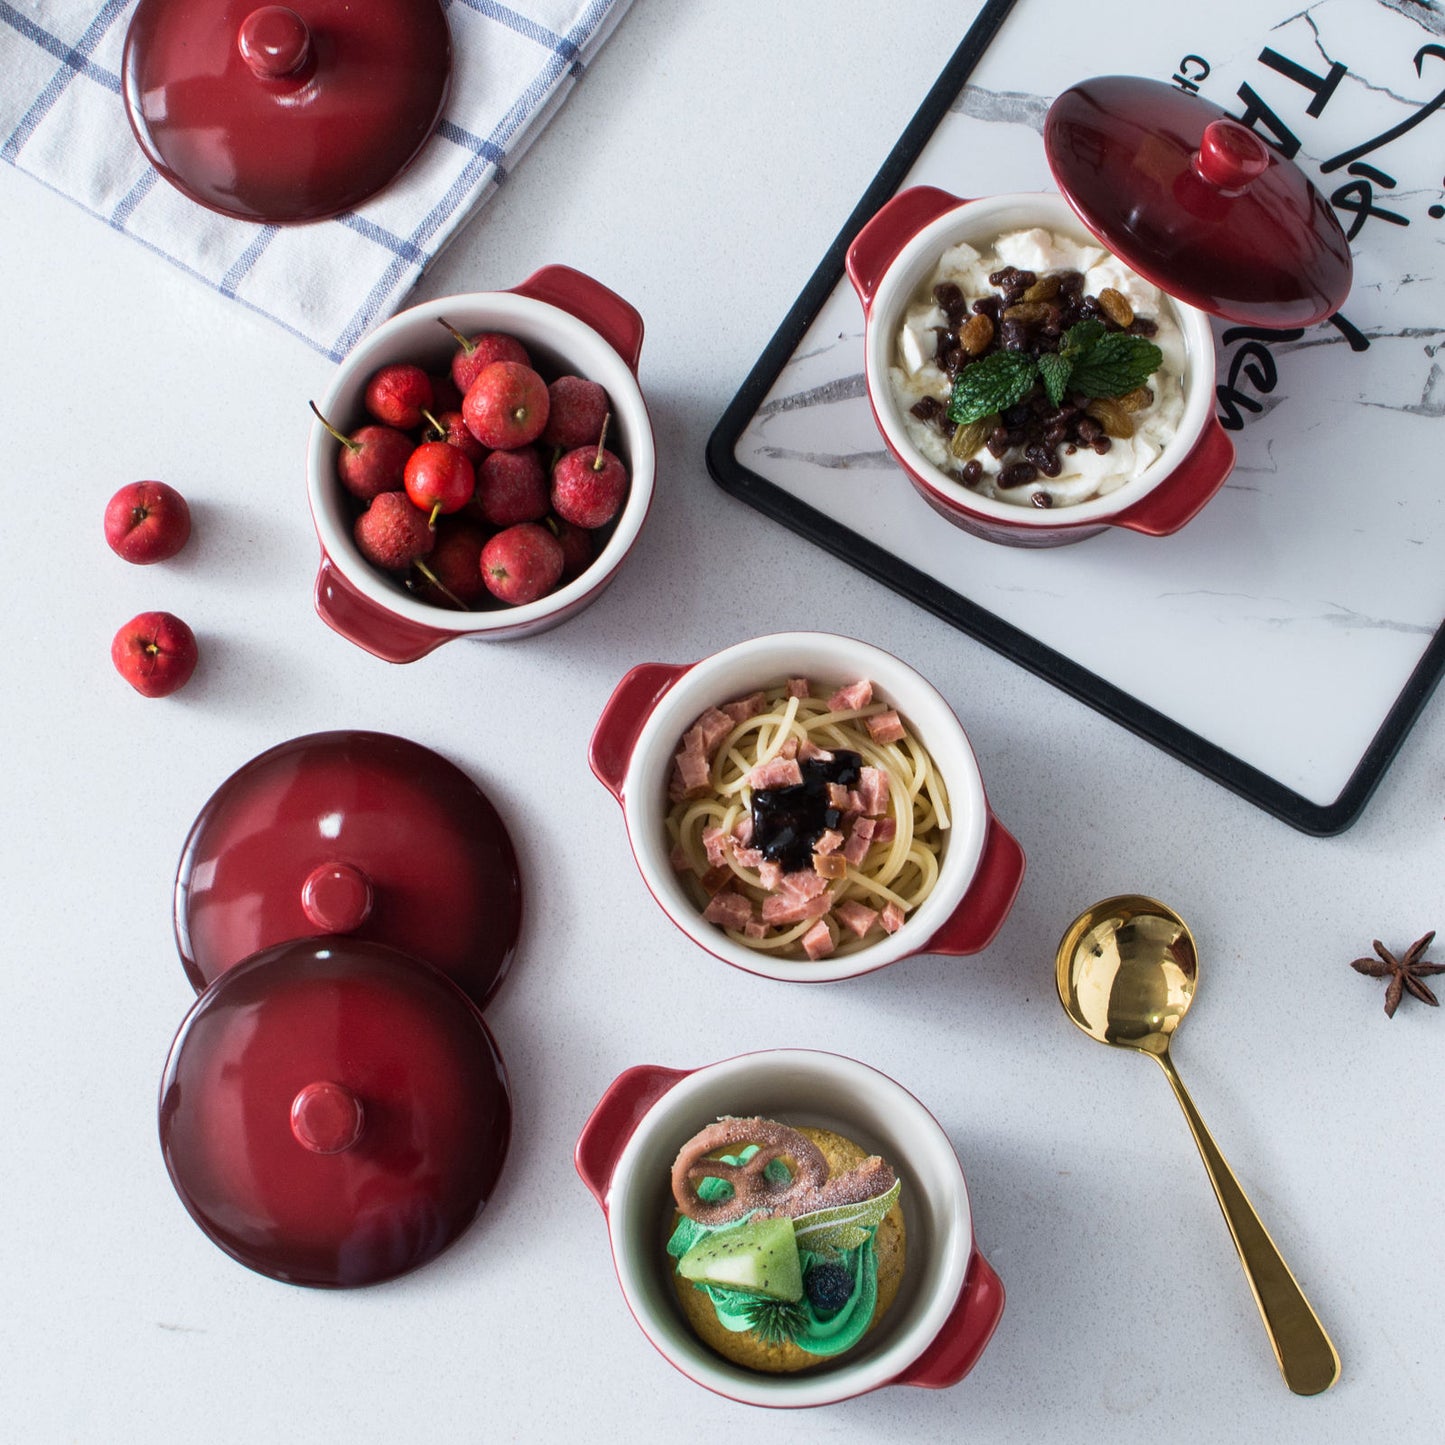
(1404, 973)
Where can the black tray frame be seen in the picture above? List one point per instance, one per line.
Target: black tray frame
(926, 591)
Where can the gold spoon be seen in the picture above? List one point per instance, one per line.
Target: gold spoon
(1127, 970)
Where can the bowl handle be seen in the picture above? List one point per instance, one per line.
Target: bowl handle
(360, 620)
(615, 320)
(968, 1328)
(629, 707)
(614, 1121)
(1181, 496)
(971, 926)
(875, 246)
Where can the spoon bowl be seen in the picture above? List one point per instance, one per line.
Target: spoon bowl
(1127, 971)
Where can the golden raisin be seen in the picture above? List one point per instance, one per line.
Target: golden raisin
(971, 435)
(1137, 399)
(1044, 289)
(1110, 415)
(1116, 307)
(1029, 312)
(975, 334)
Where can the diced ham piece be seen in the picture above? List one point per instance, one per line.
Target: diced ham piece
(798, 687)
(779, 773)
(885, 830)
(748, 857)
(809, 752)
(829, 842)
(817, 941)
(713, 726)
(729, 909)
(770, 874)
(856, 917)
(755, 928)
(743, 829)
(830, 865)
(802, 884)
(692, 765)
(746, 707)
(886, 727)
(872, 791)
(838, 797)
(678, 858)
(781, 909)
(859, 841)
(789, 748)
(714, 840)
(891, 918)
(716, 878)
(855, 695)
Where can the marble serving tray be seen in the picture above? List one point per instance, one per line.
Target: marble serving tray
(1286, 640)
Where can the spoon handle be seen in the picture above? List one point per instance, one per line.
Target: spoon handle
(1306, 1357)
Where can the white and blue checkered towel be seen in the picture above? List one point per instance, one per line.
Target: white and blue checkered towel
(62, 121)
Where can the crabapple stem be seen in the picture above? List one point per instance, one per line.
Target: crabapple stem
(597, 463)
(433, 423)
(440, 586)
(467, 346)
(344, 440)
(436, 512)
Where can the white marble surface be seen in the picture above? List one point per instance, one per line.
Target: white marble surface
(701, 169)
(1285, 621)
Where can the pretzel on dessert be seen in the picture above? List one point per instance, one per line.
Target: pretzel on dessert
(752, 1189)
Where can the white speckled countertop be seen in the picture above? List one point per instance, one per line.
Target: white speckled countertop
(700, 169)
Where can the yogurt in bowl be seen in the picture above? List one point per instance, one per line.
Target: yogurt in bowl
(1158, 483)
(1039, 294)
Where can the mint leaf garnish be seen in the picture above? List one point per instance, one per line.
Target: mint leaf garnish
(992, 384)
(1054, 369)
(1115, 364)
(1081, 336)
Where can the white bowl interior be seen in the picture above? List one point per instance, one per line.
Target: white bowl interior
(558, 343)
(827, 659)
(980, 223)
(796, 1087)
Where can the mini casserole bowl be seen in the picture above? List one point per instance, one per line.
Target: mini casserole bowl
(950, 1300)
(568, 323)
(652, 707)
(890, 261)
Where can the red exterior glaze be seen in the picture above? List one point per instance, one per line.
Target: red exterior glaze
(365, 1020)
(624, 717)
(975, 923)
(895, 225)
(616, 321)
(360, 620)
(614, 1121)
(224, 110)
(435, 856)
(1263, 250)
(1182, 495)
(966, 1332)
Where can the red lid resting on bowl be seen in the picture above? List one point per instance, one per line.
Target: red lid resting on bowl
(1197, 203)
(352, 833)
(334, 1113)
(276, 114)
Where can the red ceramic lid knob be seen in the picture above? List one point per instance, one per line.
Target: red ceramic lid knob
(334, 1113)
(326, 1118)
(278, 114)
(274, 42)
(1197, 203)
(336, 897)
(1230, 155)
(350, 833)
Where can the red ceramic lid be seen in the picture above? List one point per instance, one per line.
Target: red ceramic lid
(279, 114)
(1197, 203)
(334, 1113)
(350, 833)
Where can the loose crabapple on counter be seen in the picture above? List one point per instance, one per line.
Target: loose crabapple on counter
(489, 484)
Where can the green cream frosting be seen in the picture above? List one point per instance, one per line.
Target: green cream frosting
(819, 1334)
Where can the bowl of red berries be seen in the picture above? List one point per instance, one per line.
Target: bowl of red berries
(480, 466)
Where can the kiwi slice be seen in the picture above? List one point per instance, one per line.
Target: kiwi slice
(757, 1257)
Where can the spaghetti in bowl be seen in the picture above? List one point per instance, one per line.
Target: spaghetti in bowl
(976, 865)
